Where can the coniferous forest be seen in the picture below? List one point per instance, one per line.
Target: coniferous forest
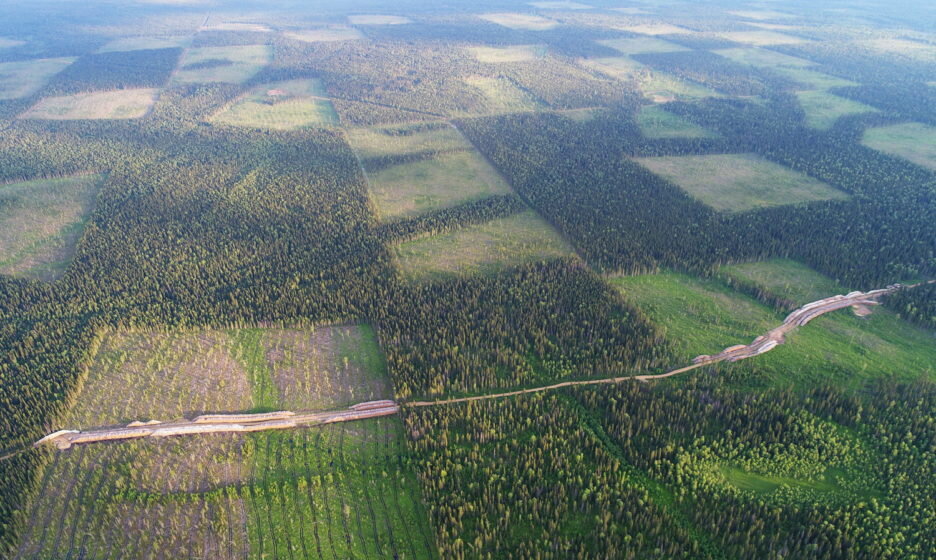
(213, 206)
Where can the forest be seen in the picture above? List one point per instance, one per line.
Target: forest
(420, 202)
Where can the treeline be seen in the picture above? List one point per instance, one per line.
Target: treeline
(539, 323)
(917, 305)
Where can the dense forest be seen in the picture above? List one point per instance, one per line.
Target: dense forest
(197, 223)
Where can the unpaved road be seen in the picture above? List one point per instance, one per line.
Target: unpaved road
(221, 423)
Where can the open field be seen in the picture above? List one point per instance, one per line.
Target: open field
(341, 488)
(41, 221)
(783, 278)
(660, 87)
(117, 104)
(564, 5)
(911, 49)
(405, 139)
(7, 43)
(233, 65)
(705, 316)
(237, 26)
(436, 182)
(823, 109)
(656, 29)
(760, 38)
(325, 34)
(481, 249)
(143, 43)
(763, 58)
(912, 141)
(378, 20)
(282, 106)
(520, 21)
(512, 53)
(812, 79)
(617, 67)
(759, 14)
(23, 78)
(502, 95)
(641, 45)
(657, 123)
(738, 182)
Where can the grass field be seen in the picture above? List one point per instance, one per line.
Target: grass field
(237, 26)
(784, 278)
(759, 14)
(738, 182)
(657, 123)
(405, 139)
(763, 58)
(143, 43)
(374, 19)
(760, 38)
(342, 490)
(813, 80)
(911, 49)
(325, 34)
(705, 316)
(660, 87)
(440, 181)
(823, 109)
(641, 45)
(656, 29)
(117, 104)
(520, 21)
(233, 65)
(502, 95)
(7, 43)
(565, 5)
(512, 53)
(481, 249)
(40, 223)
(912, 141)
(284, 105)
(617, 67)
(23, 78)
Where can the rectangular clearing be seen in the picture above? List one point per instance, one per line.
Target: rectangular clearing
(655, 122)
(406, 139)
(481, 249)
(528, 22)
(502, 95)
(233, 65)
(376, 19)
(435, 182)
(41, 222)
(642, 45)
(117, 104)
(284, 105)
(823, 109)
(760, 38)
(912, 141)
(325, 34)
(763, 58)
(24, 78)
(739, 182)
(512, 53)
(144, 43)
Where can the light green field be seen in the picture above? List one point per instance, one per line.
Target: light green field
(233, 65)
(705, 316)
(813, 80)
(617, 67)
(502, 96)
(760, 38)
(739, 182)
(579, 115)
(520, 21)
(346, 487)
(654, 122)
(657, 29)
(560, 5)
(912, 141)
(143, 43)
(405, 139)
(660, 87)
(911, 49)
(823, 109)
(763, 58)
(40, 223)
(642, 45)
(784, 278)
(481, 249)
(325, 34)
(23, 78)
(378, 20)
(287, 105)
(118, 104)
(440, 181)
(512, 53)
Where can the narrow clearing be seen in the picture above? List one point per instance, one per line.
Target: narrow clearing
(218, 423)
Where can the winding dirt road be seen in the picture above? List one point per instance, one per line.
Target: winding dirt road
(221, 423)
